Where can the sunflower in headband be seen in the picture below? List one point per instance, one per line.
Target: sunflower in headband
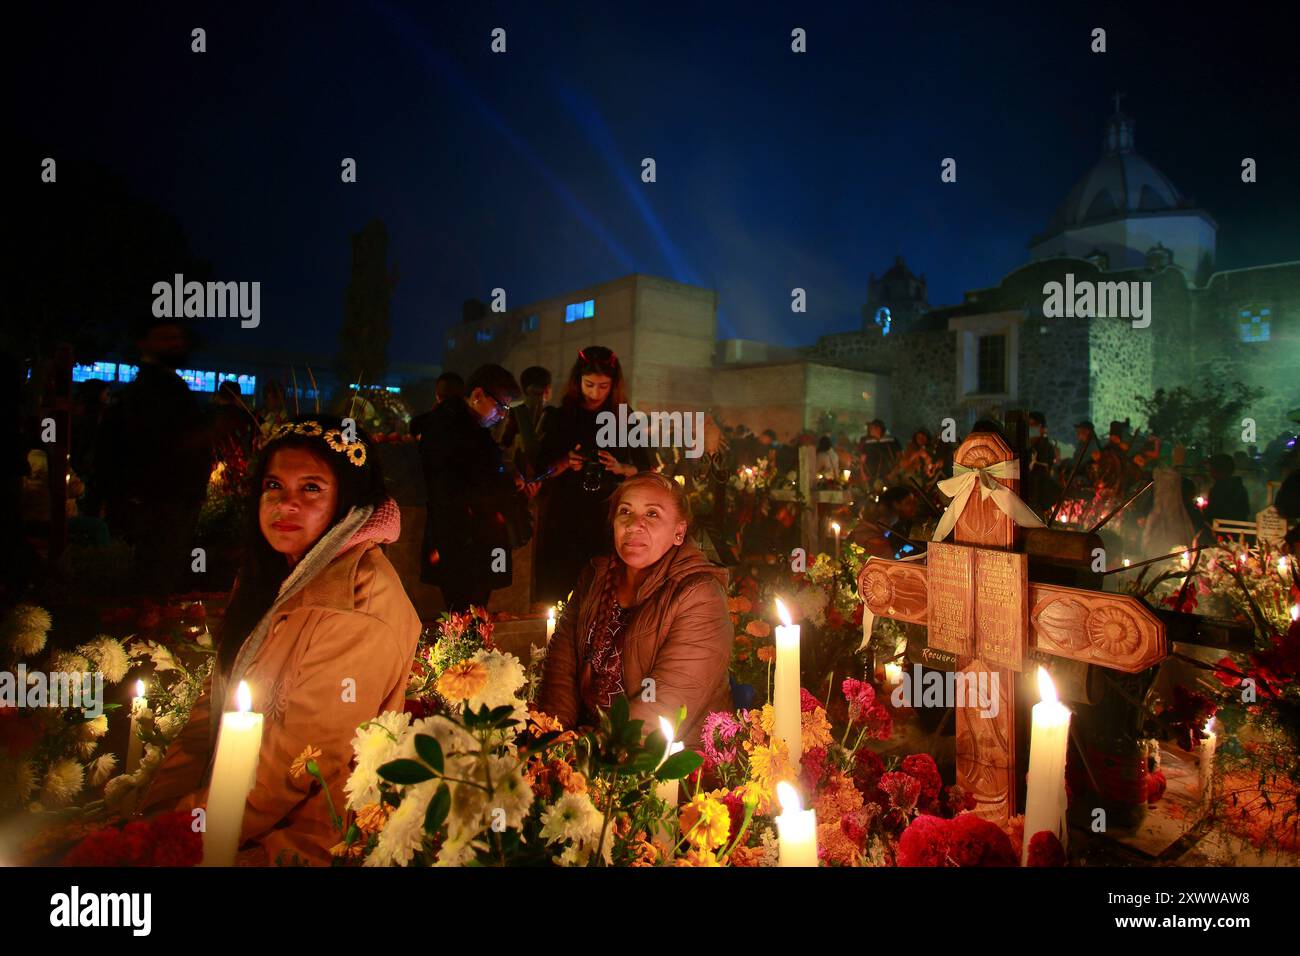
(354, 451)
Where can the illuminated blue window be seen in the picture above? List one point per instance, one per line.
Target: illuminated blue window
(529, 323)
(101, 370)
(484, 335)
(127, 373)
(1254, 326)
(575, 311)
(884, 320)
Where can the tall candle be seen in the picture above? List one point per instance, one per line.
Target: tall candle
(835, 526)
(796, 829)
(550, 625)
(1045, 801)
(668, 790)
(139, 704)
(893, 674)
(1208, 746)
(788, 723)
(233, 773)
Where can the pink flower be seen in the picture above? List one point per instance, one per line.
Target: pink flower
(718, 738)
(807, 702)
(860, 695)
(926, 771)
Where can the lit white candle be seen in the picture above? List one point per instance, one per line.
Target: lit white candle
(233, 773)
(139, 704)
(847, 475)
(1050, 734)
(668, 790)
(893, 674)
(835, 526)
(550, 624)
(1208, 746)
(796, 828)
(785, 688)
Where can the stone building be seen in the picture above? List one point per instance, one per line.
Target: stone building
(1006, 347)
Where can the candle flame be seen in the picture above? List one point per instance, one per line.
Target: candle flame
(782, 613)
(1208, 724)
(788, 797)
(666, 729)
(139, 688)
(1046, 689)
(1127, 562)
(835, 526)
(1295, 612)
(244, 698)
(550, 614)
(1281, 565)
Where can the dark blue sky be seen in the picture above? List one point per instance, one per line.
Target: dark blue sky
(774, 169)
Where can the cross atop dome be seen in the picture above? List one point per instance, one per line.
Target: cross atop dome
(1119, 130)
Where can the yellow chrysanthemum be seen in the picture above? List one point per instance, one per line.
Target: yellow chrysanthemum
(706, 822)
(462, 681)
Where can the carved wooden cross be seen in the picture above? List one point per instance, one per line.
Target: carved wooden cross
(975, 597)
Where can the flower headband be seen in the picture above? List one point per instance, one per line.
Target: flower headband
(354, 450)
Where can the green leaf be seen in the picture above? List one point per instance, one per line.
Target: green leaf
(405, 772)
(430, 751)
(657, 745)
(618, 714)
(679, 765)
(439, 807)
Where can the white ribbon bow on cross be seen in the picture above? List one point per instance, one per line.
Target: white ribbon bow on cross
(964, 481)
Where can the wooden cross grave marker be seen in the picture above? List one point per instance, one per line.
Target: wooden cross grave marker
(976, 599)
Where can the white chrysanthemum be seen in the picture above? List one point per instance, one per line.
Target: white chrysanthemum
(506, 676)
(466, 818)
(109, 655)
(451, 737)
(572, 817)
(120, 790)
(102, 769)
(510, 791)
(812, 602)
(69, 662)
(374, 745)
(63, 781)
(94, 728)
(153, 756)
(456, 852)
(771, 849)
(25, 629)
(17, 783)
(403, 834)
(86, 748)
(168, 724)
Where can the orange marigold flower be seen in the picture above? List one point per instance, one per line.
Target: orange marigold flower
(353, 852)
(299, 765)
(746, 856)
(815, 729)
(372, 817)
(739, 604)
(766, 654)
(758, 628)
(462, 681)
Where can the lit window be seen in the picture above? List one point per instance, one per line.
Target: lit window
(576, 311)
(1254, 324)
(101, 370)
(127, 373)
(884, 320)
(529, 323)
(484, 335)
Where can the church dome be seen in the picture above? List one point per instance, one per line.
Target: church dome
(1120, 184)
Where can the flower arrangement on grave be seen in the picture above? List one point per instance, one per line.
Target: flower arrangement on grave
(864, 803)
(454, 638)
(50, 733)
(490, 783)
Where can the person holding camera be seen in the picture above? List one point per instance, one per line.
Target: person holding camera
(573, 506)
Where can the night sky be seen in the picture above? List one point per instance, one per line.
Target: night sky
(775, 170)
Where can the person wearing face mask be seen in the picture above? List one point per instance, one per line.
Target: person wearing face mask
(1041, 489)
(648, 622)
(153, 455)
(319, 627)
(578, 474)
(473, 503)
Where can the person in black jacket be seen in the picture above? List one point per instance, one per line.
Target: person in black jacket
(472, 500)
(1227, 497)
(574, 505)
(153, 455)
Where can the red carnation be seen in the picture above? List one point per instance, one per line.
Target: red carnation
(867, 770)
(812, 768)
(1045, 850)
(807, 702)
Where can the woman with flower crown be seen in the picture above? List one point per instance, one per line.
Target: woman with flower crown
(572, 507)
(320, 628)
